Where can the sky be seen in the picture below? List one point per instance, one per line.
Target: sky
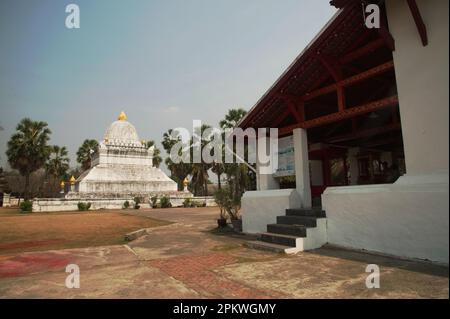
(165, 63)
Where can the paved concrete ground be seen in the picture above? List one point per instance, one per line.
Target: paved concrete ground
(188, 259)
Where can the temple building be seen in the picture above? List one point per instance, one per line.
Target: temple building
(122, 167)
(365, 113)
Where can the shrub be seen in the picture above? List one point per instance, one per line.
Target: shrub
(227, 203)
(126, 204)
(165, 202)
(137, 201)
(188, 203)
(153, 201)
(84, 206)
(199, 203)
(26, 206)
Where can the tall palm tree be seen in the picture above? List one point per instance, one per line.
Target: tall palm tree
(157, 159)
(28, 150)
(238, 176)
(178, 171)
(218, 169)
(84, 153)
(199, 172)
(58, 162)
(232, 118)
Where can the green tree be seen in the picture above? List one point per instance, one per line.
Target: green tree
(239, 175)
(232, 118)
(84, 153)
(200, 170)
(157, 159)
(178, 171)
(218, 169)
(28, 150)
(58, 163)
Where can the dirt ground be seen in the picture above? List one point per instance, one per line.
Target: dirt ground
(45, 231)
(190, 259)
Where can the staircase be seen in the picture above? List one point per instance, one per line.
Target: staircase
(298, 230)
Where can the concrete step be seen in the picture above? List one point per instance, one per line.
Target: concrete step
(297, 220)
(276, 248)
(286, 240)
(314, 212)
(293, 230)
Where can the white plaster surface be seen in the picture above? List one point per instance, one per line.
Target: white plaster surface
(422, 83)
(260, 208)
(59, 205)
(315, 238)
(123, 166)
(403, 219)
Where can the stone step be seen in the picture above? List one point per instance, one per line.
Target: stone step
(293, 230)
(297, 220)
(286, 240)
(257, 244)
(305, 212)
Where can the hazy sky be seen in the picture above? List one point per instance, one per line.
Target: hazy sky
(164, 63)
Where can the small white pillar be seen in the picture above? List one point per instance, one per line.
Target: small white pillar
(302, 177)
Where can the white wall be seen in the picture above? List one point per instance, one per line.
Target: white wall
(409, 218)
(260, 208)
(59, 205)
(422, 83)
(407, 221)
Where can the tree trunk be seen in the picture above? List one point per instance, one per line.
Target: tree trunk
(218, 181)
(27, 186)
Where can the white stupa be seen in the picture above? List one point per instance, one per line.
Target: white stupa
(122, 166)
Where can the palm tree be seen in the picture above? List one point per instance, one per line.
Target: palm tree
(199, 172)
(84, 153)
(157, 159)
(218, 169)
(232, 118)
(238, 175)
(58, 162)
(56, 168)
(28, 150)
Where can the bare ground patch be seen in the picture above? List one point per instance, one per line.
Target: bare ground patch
(41, 231)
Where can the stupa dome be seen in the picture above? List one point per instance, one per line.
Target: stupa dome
(122, 132)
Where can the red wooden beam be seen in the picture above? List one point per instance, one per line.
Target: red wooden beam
(364, 133)
(331, 67)
(292, 108)
(351, 80)
(342, 115)
(419, 21)
(363, 51)
(280, 118)
(301, 109)
(334, 69)
(379, 69)
(341, 98)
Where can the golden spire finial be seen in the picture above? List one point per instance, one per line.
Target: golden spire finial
(122, 116)
(72, 180)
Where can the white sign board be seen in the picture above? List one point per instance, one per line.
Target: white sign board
(286, 160)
